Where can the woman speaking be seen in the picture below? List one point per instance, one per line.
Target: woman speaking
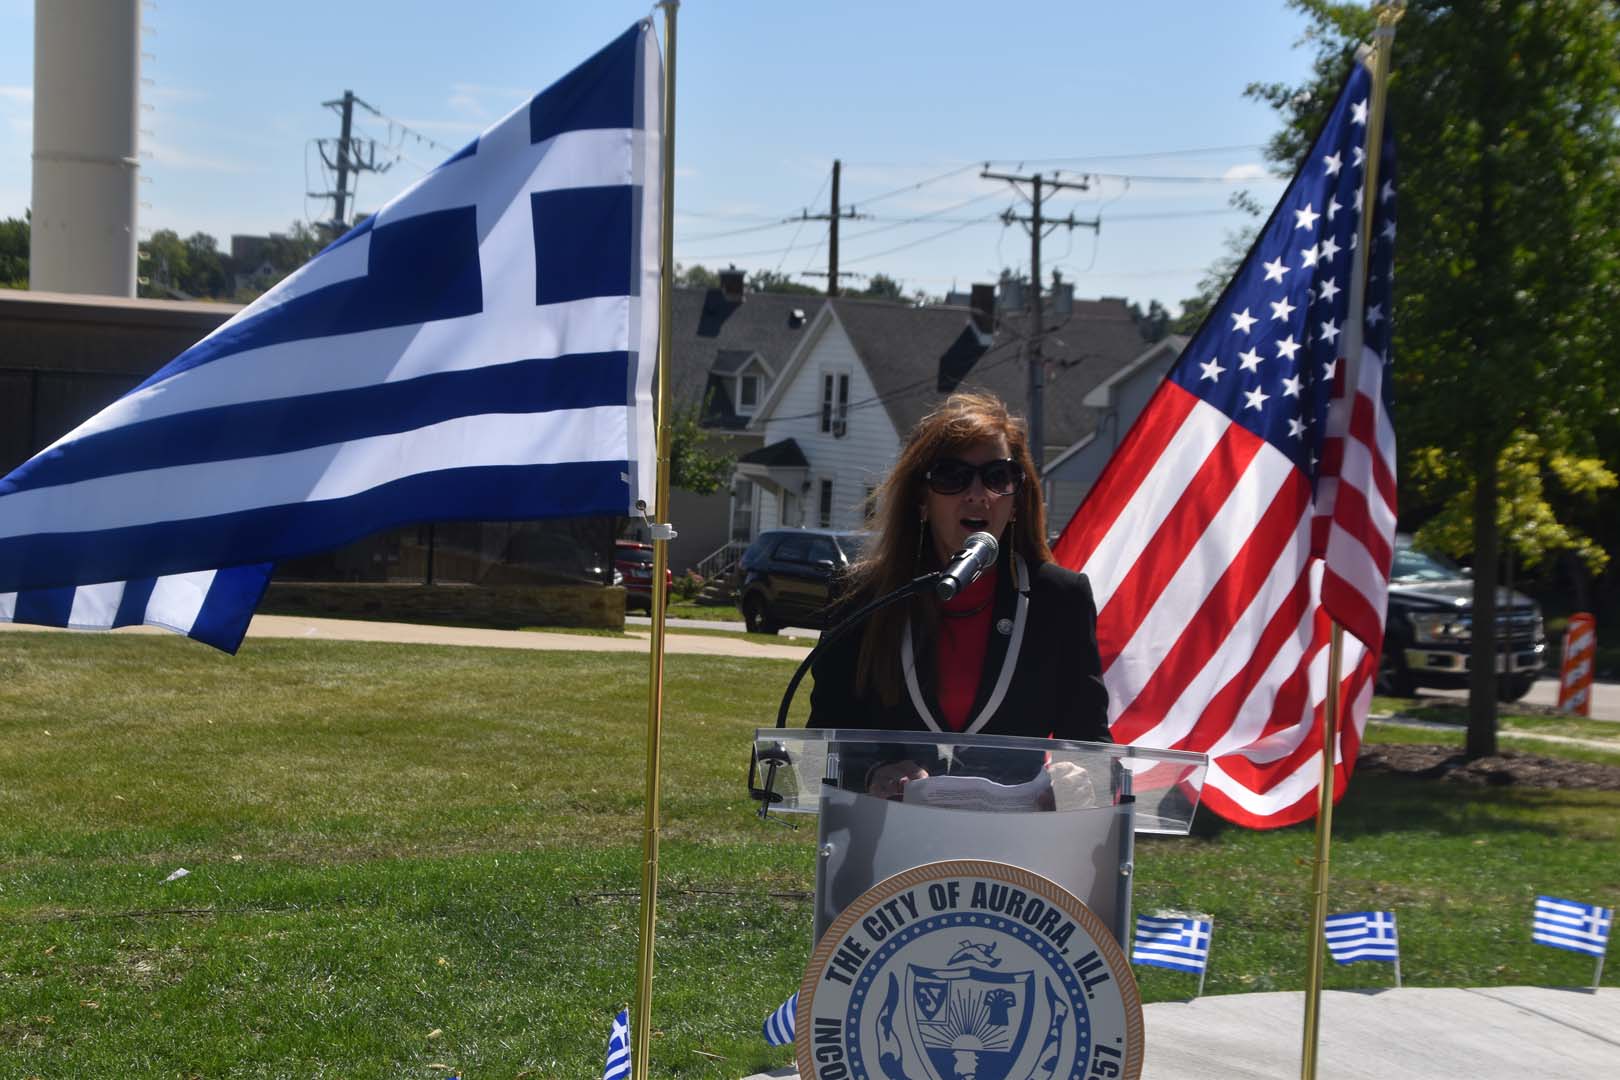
(1013, 653)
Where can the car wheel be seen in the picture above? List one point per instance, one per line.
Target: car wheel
(1513, 687)
(1394, 680)
(756, 617)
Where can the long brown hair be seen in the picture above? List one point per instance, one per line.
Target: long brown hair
(899, 552)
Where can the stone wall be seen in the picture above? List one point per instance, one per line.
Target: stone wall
(502, 607)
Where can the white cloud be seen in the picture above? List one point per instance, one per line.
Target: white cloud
(1246, 171)
(19, 94)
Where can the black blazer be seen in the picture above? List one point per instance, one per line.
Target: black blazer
(1055, 690)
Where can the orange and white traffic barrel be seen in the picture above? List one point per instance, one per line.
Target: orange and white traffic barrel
(1580, 650)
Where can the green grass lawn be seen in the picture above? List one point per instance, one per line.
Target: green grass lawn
(409, 861)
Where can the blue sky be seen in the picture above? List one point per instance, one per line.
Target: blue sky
(1149, 94)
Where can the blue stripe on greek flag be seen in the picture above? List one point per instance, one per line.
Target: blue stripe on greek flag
(778, 1028)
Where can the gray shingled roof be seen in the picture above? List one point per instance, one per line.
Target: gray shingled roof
(916, 355)
(1097, 339)
(707, 330)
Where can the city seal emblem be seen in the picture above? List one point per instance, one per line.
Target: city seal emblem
(968, 970)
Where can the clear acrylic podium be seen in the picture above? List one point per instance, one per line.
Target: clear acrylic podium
(1068, 811)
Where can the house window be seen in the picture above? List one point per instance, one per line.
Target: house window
(835, 403)
(742, 509)
(747, 393)
(825, 515)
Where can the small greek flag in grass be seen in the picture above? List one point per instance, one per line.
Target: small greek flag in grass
(1572, 925)
(618, 1051)
(1182, 944)
(779, 1025)
(1363, 935)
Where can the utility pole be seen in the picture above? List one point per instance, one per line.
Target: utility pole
(833, 215)
(349, 158)
(1038, 227)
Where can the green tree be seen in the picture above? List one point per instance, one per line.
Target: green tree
(165, 262)
(882, 287)
(1154, 322)
(205, 269)
(695, 465)
(696, 276)
(1508, 283)
(14, 239)
(772, 282)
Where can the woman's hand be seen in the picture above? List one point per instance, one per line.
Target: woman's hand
(889, 781)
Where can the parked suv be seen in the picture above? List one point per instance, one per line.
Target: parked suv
(1429, 629)
(634, 560)
(788, 577)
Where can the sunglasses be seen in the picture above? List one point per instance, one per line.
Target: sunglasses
(948, 476)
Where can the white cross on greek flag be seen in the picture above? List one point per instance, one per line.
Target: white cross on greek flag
(1572, 925)
(1362, 935)
(480, 349)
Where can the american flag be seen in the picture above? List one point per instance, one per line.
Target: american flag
(1254, 501)
(481, 348)
(1572, 925)
(618, 1049)
(1362, 935)
(1172, 942)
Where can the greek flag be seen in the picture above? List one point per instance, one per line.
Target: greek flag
(779, 1025)
(1572, 925)
(480, 349)
(1362, 935)
(1181, 944)
(618, 1051)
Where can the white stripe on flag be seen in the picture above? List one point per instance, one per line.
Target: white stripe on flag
(1152, 501)
(376, 357)
(337, 471)
(1199, 572)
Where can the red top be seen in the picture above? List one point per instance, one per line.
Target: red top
(964, 638)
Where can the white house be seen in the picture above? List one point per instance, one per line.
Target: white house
(866, 371)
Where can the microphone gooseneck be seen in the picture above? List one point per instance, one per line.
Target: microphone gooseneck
(978, 554)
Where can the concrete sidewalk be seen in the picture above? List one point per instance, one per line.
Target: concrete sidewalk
(675, 644)
(1489, 1033)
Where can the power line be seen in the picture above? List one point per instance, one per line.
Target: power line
(915, 243)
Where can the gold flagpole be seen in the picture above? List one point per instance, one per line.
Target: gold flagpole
(1383, 39)
(641, 1024)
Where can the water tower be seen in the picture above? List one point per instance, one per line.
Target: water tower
(86, 99)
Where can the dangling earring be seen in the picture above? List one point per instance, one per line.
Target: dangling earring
(922, 533)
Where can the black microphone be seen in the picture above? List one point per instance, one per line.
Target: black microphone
(978, 554)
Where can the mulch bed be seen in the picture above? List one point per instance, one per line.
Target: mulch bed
(1509, 767)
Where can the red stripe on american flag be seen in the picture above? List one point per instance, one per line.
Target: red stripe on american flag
(1186, 524)
(1363, 428)
(1206, 631)
(1354, 516)
(1135, 458)
(1351, 607)
(1284, 623)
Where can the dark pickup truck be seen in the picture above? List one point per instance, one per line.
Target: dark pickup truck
(1430, 628)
